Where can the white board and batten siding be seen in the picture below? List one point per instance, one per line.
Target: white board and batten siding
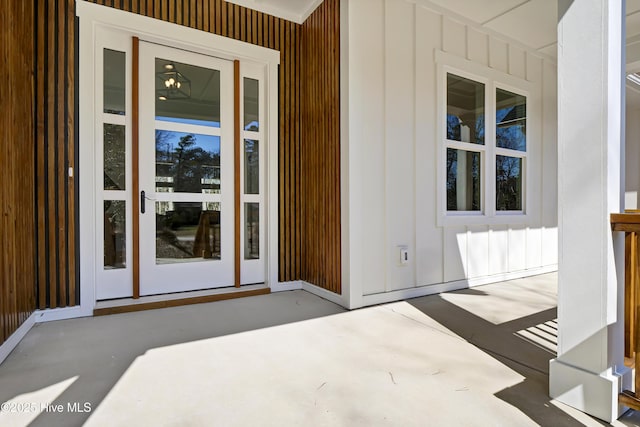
(392, 156)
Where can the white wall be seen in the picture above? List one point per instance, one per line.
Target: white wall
(392, 154)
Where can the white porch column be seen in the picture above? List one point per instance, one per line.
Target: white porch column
(589, 372)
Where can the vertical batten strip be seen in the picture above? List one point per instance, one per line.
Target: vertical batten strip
(51, 157)
(41, 198)
(71, 152)
(61, 180)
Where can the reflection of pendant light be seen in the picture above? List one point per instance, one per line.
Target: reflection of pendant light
(172, 84)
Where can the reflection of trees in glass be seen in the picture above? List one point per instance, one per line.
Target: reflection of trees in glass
(114, 233)
(114, 157)
(472, 180)
(190, 167)
(508, 183)
(251, 167)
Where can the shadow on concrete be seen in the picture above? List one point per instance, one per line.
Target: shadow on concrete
(99, 350)
(504, 343)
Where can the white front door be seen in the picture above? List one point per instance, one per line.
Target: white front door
(183, 181)
(186, 171)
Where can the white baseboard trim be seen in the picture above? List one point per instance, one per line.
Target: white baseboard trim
(437, 288)
(294, 285)
(14, 339)
(53, 314)
(323, 293)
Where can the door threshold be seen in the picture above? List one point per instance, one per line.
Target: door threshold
(128, 305)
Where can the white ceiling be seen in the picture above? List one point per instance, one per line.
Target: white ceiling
(293, 10)
(531, 22)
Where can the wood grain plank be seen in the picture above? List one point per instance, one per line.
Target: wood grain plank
(180, 302)
(60, 167)
(17, 162)
(71, 202)
(51, 158)
(206, 24)
(40, 155)
(223, 19)
(218, 15)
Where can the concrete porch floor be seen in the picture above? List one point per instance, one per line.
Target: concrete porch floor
(475, 357)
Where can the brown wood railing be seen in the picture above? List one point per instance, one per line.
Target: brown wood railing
(629, 223)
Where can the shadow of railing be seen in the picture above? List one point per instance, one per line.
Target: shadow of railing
(525, 345)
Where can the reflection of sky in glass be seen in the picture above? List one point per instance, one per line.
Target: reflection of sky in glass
(168, 141)
(189, 121)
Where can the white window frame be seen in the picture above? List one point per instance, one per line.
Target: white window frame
(492, 80)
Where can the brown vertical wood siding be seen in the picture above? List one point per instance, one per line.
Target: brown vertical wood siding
(17, 221)
(309, 241)
(55, 236)
(319, 161)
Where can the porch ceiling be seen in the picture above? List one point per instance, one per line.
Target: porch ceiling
(293, 10)
(531, 22)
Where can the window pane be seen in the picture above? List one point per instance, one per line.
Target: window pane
(187, 163)
(187, 232)
(511, 120)
(465, 110)
(115, 241)
(251, 105)
(187, 93)
(463, 180)
(114, 157)
(508, 183)
(251, 167)
(251, 231)
(114, 67)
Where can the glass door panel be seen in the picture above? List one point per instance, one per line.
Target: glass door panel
(186, 119)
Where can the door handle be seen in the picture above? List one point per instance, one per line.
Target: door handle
(142, 200)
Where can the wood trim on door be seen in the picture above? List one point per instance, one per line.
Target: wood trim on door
(135, 158)
(237, 156)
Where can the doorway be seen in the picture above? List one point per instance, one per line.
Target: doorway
(182, 204)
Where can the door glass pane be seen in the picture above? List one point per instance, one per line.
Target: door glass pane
(511, 120)
(251, 167)
(463, 180)
(187, 232)
(114, 67)
(114, 157)
(465, 110)
(187, 93)
(251, 105)
(508, 183)
(187, 163)
(115, 241)
(251, 231)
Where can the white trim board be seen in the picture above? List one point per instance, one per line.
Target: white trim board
(14, 339)
(437, 288)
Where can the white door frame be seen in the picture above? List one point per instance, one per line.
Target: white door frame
(94, 16)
